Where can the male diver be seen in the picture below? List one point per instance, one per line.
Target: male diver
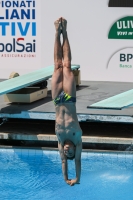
(67, 127)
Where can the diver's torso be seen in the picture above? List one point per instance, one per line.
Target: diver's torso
(67, 126)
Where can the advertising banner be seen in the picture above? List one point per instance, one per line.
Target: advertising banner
(100, 35)
(20, 33)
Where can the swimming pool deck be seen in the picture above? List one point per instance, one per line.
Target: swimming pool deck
(88, 92)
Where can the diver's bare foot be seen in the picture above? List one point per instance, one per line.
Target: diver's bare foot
(64, 25)
(58, 26)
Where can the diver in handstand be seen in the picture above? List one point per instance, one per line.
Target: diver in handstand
(67, 127)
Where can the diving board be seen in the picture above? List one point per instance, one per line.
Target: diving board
(116, 102)
(29, 79)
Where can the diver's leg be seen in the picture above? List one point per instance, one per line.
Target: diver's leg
(57, 78)
(69, 85)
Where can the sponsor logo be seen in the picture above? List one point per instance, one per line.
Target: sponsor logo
(17, 46)
(122, 29)
(121, 59)
(125, 66)
(18, 25)
(125, 57)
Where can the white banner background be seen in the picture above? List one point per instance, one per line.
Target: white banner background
(89, 22)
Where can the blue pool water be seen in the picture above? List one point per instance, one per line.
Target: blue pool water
(36, 175)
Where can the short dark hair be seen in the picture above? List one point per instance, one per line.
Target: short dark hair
(71, 158)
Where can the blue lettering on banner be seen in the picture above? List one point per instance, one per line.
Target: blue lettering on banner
(17, 4)
(21, 14)
(23, 30)
(12, 22)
